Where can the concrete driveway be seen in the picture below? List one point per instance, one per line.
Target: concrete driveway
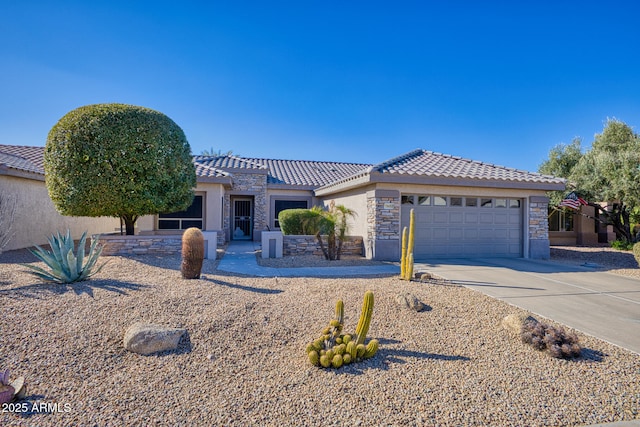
(598, 303)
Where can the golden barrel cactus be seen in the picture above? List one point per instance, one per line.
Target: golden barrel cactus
(192, 253)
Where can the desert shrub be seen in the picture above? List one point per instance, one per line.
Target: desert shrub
(556, 341)
(622, 245)
(299, 221)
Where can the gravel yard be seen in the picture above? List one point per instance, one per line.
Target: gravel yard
(243, 361)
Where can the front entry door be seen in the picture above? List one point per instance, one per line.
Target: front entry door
(242, 219)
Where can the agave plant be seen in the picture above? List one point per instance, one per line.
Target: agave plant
(11, 390)
(65, 266)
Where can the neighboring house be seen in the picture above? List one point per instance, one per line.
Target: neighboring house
(568, 227)
(463, 208)
(22, 183)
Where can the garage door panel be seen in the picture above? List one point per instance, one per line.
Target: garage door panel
(486, 218)
(440, 218)
(456, 218)
(466, 231)
(500, 218)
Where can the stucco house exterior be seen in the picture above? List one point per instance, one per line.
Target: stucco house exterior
(463, 207)
(22, 183)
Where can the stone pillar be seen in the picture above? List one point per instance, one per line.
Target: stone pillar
(539, 227)
(383, 225)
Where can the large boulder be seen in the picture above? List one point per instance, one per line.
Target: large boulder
(410, 301)
(147, 338)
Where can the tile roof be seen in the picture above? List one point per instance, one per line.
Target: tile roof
(315, 174)
(27, 159)
(285, 172)
(428, 163)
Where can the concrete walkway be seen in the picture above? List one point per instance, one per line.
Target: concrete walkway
(240, 258)
(601, 304)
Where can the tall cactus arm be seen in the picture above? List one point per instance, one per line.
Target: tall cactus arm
(365, 318)
(403, 256)
(340, 311)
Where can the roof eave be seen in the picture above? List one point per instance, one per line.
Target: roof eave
(19, 173)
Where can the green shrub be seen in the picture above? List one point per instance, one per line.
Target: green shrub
(65, 266)
(622, 245)
(118, 160)
(300, 221)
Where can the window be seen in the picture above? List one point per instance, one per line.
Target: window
(501, 203)
(455, 201)
(513, 203)
(282, 205)
(193, 216)
(424, 200)
(439, 201)
(471, 202)
(560, 220)
(485, 203)
(407, 200)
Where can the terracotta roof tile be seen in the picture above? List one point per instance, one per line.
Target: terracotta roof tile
(28, 159)
(429, 163)
(286, 172)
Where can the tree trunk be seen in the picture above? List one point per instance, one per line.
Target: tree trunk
(129, 223)
(331, 243)
(324, 251)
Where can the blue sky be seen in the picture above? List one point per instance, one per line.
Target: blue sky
(497, 81)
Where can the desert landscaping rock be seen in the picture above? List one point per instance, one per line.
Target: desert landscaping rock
(514, 322)
(247, 364)
(410, 301)
(147, 338)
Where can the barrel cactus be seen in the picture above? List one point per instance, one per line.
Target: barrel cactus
(192, 253)
(333, 349)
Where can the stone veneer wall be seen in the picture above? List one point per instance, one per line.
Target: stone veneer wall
(539, 227)
(115, 244)
(308, 245)
(249, 185)
(383, 225)
(141, 245)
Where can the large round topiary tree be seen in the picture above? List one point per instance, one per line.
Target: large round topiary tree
(118, 160)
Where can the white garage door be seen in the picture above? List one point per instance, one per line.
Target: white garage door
(452, 226)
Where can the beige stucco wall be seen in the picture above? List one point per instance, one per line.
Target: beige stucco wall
(356, 200)
(36, 218)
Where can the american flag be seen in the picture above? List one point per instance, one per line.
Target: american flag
(573, 201)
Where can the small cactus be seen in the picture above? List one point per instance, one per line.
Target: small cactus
(365, 318)
(406, 261)
(192, 253)
(334, 349)
(371, 349)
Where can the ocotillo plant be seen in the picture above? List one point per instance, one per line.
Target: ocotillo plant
(192, 253)
(406, 263)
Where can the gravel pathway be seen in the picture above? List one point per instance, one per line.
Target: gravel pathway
(243, 360)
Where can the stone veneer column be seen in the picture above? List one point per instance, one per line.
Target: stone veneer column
(383, 225)
(539, 227)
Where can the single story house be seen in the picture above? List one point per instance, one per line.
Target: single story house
(463, 207)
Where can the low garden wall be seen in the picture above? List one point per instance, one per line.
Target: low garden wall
(148, 244)
(296, 245)
(140, 245)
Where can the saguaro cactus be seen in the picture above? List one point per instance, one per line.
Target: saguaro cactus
(192, 253)
(406, 263)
